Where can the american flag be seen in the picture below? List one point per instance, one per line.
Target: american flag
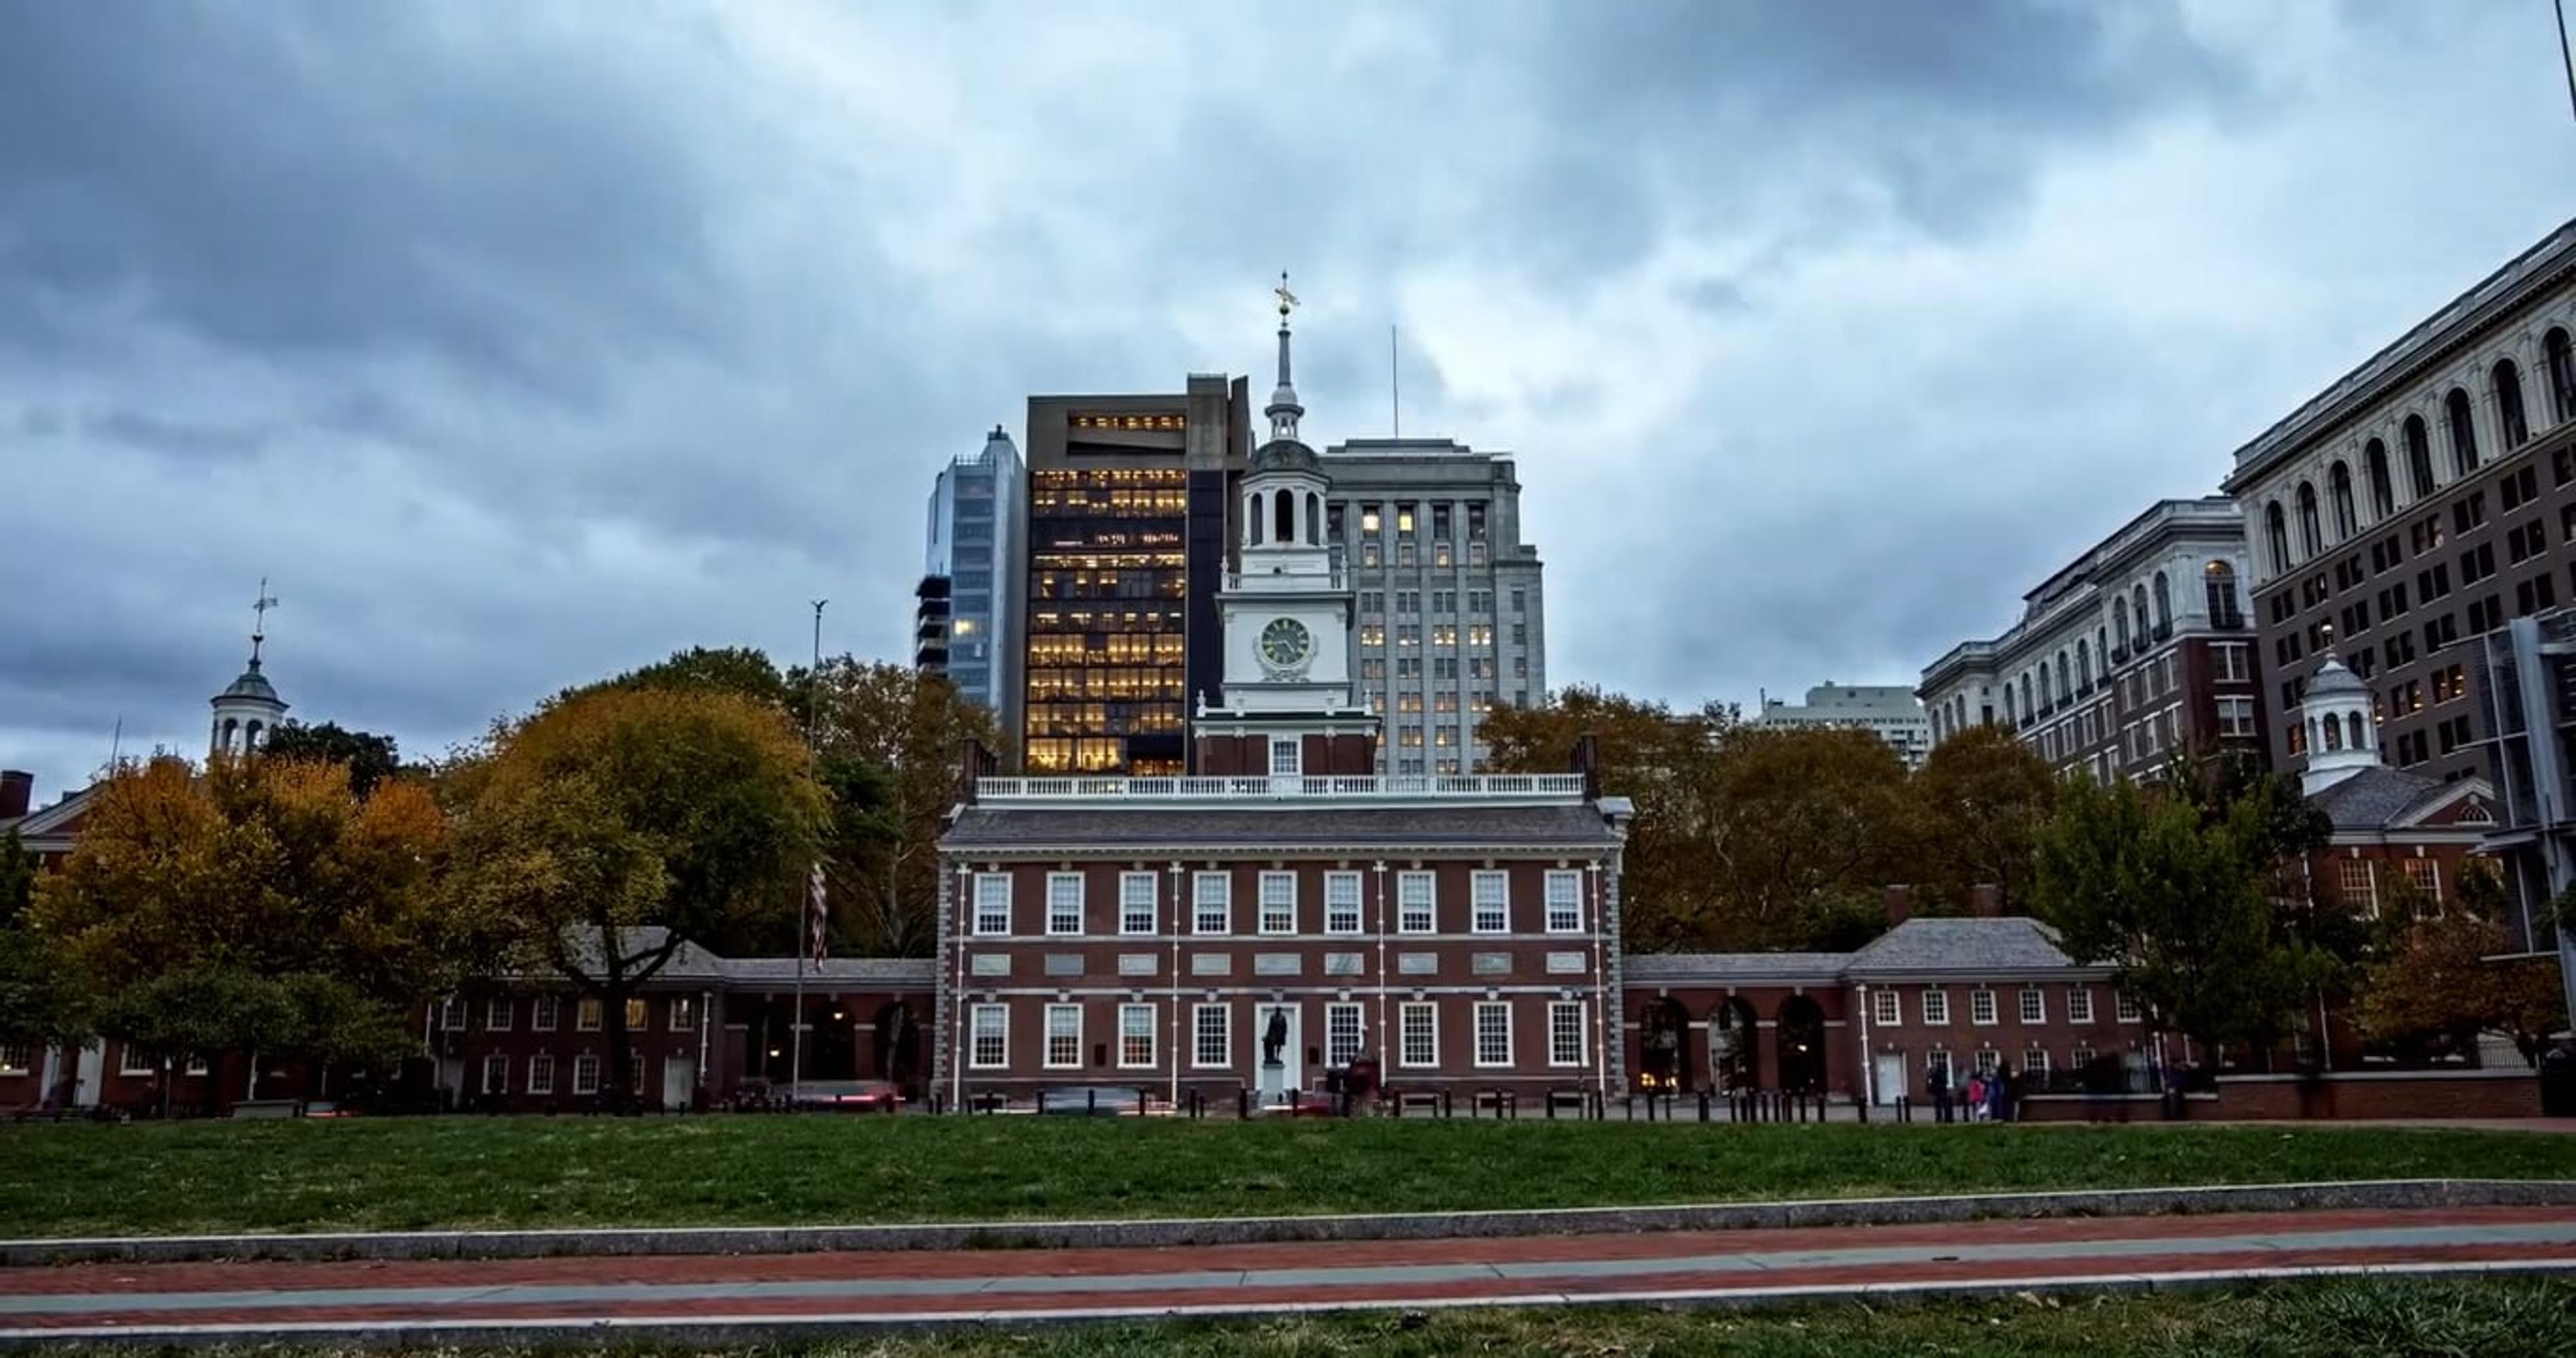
(819, 916)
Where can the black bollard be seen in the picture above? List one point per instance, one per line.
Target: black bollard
(1448, 1103)
(1703, 1105)
(1242, 1104)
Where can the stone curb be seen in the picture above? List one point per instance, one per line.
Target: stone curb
(2389, 1194)
(754, 1330)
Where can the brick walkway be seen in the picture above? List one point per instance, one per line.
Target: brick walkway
(743, 1295)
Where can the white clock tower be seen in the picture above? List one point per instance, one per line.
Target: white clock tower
(1287, 607)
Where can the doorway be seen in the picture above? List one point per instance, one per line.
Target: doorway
(1887, 1077)
(679, 1084)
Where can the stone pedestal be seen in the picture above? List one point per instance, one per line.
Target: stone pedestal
(1274, 1082)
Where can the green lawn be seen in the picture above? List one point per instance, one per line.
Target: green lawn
(403, 1173)
(2500, 1319)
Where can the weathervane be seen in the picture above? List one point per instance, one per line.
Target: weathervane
(1287, 299)
(259, 620)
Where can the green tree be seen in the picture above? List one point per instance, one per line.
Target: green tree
(17, 878)
(259, 906)
(370, 758)
(743, 670)
(1802, 821)
(889, 740)
(618, 824)
(1978, 804)
(41, 1001)
(2447, 980)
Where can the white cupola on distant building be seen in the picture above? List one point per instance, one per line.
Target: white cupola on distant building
(2342, 740)
(248, 708)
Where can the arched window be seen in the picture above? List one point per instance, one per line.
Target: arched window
(2138, 605)
(2120, 620)
(2276, 536)
(2464, 432)
(2419, 457)
(2065, 689)
(2102, 648)
(2083, 662)
(2027, 711)
(1283, 527)
(2164, 605)
(1252, 520)
(1314, 518)
(2510, 423)
(2339, 489)
(2047, 697)
(2009, 717)
(2219, 581)
(2383, 492)
(2353, 739)
(2311, 541)
(2333, 733)
(2562, 374)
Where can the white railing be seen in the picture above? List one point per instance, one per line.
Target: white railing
(1285, 581)
(1256, 787)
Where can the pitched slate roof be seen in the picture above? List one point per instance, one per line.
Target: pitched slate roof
(692, 964)
(1962, 944)
(1735, 968)
(996, 827)
(2373, 798)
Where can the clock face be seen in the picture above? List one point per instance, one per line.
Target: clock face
(1285, 642)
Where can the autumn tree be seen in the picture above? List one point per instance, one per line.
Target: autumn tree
(1803, 824)
(620, 823)
(370, 758)
(2448, 980)
(41, 1001)
(888, 739)
(257, 906)
(1977, 807)
(746, 671)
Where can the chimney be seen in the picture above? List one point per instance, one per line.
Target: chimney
(1985, 900)
(1900, 904)
(1587, 761)
(17, 793)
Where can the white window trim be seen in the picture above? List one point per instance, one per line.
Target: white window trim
(1261, 904)
(2079, 1004)
(1200, 904)
(1359, 896)
(1936, 999)
(504, 1006)
(1476, 907)
(1404, 1022)
(2038, 1067)
(1126, 907)
(2030, 995)
(127, 1054)
(977, 905)
(1359, 1028)
(495, 1062)
(1582, 1033)
(1059, 879)
(16, 1058)
(975, 1034)
(586, 1061)
(1198, 1051)
(1047, 1034)
(1476, 1034)
(1296, 761)
(1153, 1031)
(1993, 1007)
(2127, 1010)
(545, 1013)
(1573, 923)
(589, 1013)
(1886, 1008)
(681, 1014)
(541, 1073)
(1430, 883)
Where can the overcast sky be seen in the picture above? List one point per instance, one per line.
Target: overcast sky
(519, 343)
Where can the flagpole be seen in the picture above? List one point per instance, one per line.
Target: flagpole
(805, 910)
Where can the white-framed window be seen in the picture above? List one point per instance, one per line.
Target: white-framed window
(2360, 886)
(497, 1014)
(546, 1012)
(1212, 903)
(1988, 1059)
(1565, 1032)
(2235, 716)
(496, 1074)
(1063, 1037)
(2426, 874)
(1135, 902)
(2034, 1004)
(1283, 756)
(1415, 899)
(2034, 1063)
(1135, 1036)
(2079, 1059)
(15, 1058)
(2079, 1004)
(1564, 901)
(133, 1060)
(1936, 1061)
(1981, 1006)
(2228, 662)
(635, 1073)
(541, 1073)
(1064, 903)
(988, 1044)
(1886, 1007)
(639, 1014)
(1344, 1034)
(1489, 892)
(1278, 902)
(2125, 1009)
(585, 1073)
(1420, 1040)
(1211, 1036)
(1936, 1008)
(684, 1014)
(197, 1065)
(1341, 902)
(587, 1014)
(451, 1015)
(1493, 1033)
(992, 903)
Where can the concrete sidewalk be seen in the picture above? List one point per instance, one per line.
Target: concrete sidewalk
(737, 1299)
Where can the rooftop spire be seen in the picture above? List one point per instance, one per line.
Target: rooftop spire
(259, 621)
(1283, 409)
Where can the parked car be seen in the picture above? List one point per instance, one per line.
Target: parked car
(845, 1096)
(1101, 1101)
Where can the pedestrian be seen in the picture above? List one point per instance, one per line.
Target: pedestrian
(1977, 1097)
(1939, 1082)
(1999, 1089)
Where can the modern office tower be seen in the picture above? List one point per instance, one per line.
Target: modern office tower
(1127, 544)
(1451, 619)
(2126, 655)
(1890, 712)
(966, 620)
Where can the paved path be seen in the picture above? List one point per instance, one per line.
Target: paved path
(740, 1297)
